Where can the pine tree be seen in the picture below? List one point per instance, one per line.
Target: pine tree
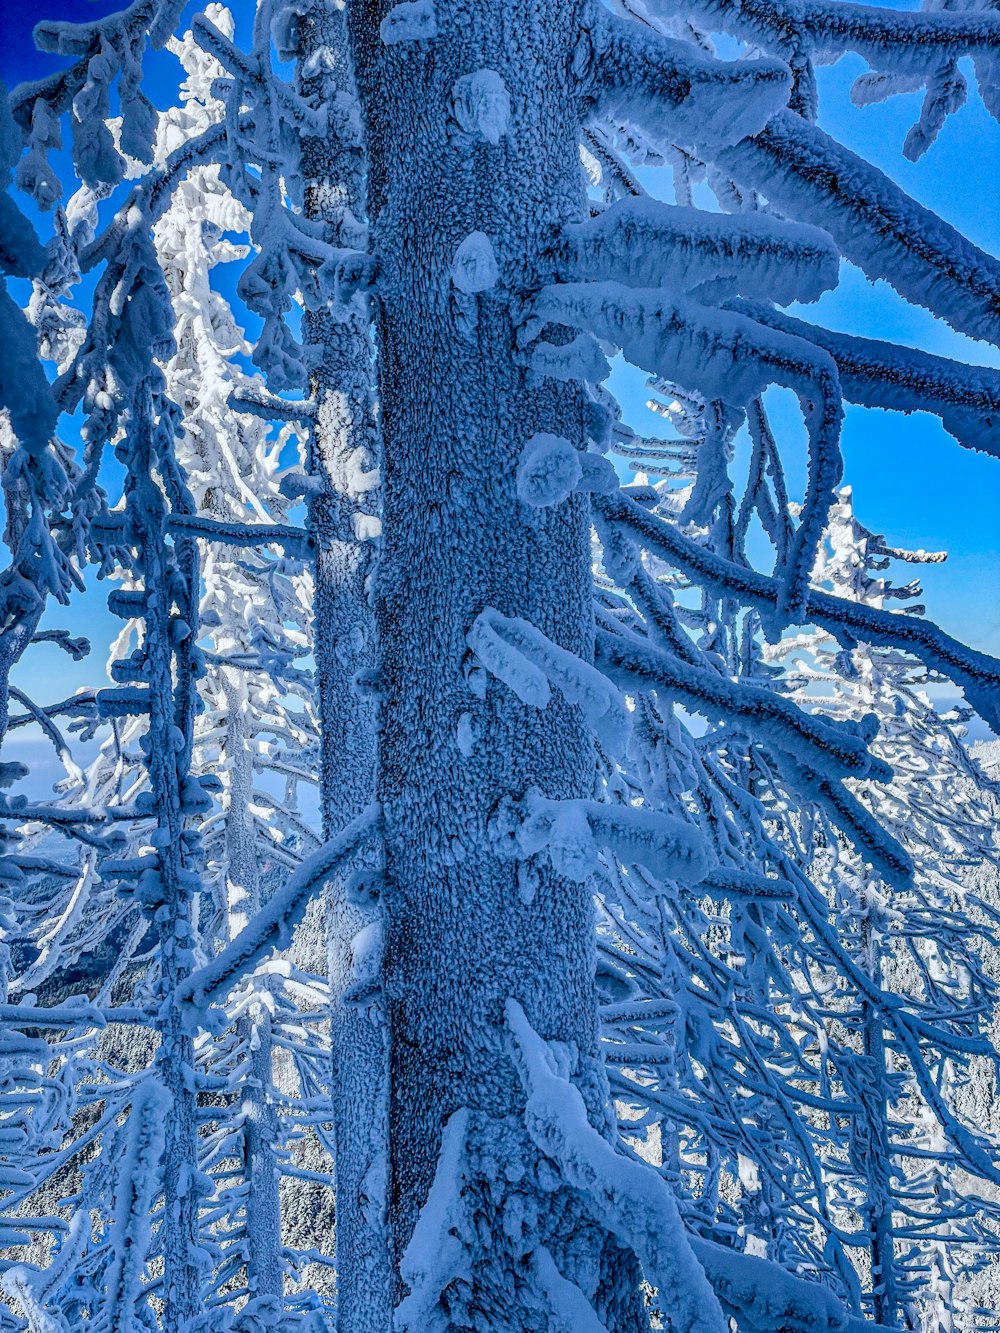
(507, 788)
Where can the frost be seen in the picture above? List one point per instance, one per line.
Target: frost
(548, 471)
(528, 662)
(366, 963)
(516, 671)
(481, 105)
(776, 822)
(645, 243)
(597, 474)
(411, 21)
(627, 1196)
(435, 1256)
(573, 831)
(474, 268)
(656, 81)
(465, 735)
(581, 359)
(726, 357)
(136, 1188)
(887, 234)
(273, 924)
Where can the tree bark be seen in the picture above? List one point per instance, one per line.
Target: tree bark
(457, 406)
(169, 674)
(341, 518)
(243, 899)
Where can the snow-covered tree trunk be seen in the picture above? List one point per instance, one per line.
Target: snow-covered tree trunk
(242, 870)
(344, 477)
(168, 882)
(260, 1133)
(877, 1156)
(473, 163)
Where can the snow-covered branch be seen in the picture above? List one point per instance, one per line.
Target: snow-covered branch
(976, 672)
(643, 76)
(806, 174)
(905, 379)
(274, 923)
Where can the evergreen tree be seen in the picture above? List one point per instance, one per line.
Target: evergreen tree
(528, 751)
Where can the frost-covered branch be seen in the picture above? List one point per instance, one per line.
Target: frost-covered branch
(806, 174)
(976, 672)
(727, 358)
(645, 243)
(641, 75)
(905, 379)
(273, 924)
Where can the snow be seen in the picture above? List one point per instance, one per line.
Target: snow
(481, 105)
(548, 470)
(569, 1309)
(580, 359)
(465, 737)
(273, 924)
(474, 268)
(528, 663)
(435, 1256)
(624, 1195)
(726, 357)
(411, 21)
(670, 85)
(796, 969)
(763, 1296)
(141, 1149)
(905, 379)
(518, 673)
(805, 172)
(913, 44)
(23, 389)
(645, 243)
(572, 831)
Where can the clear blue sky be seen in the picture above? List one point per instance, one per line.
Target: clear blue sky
(911, 480)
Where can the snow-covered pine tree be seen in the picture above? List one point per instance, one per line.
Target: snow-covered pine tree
(489, 282)
(257, 730)
(738, 1032)
(922, 944)
(50, 500)
(183, 248)
(464, 208)
(115, 374)
(323, 172)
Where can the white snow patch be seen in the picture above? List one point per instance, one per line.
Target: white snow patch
(412, 21)
(548, 471)
(474, 268)
(481, 104)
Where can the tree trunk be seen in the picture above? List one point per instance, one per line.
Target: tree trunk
(243, 900)
(170, 679)
(878, 1157)
(341, 509)
(457, 407)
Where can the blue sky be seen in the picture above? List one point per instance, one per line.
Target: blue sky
(911, 481)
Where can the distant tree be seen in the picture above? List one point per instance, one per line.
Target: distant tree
(786, 1071)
